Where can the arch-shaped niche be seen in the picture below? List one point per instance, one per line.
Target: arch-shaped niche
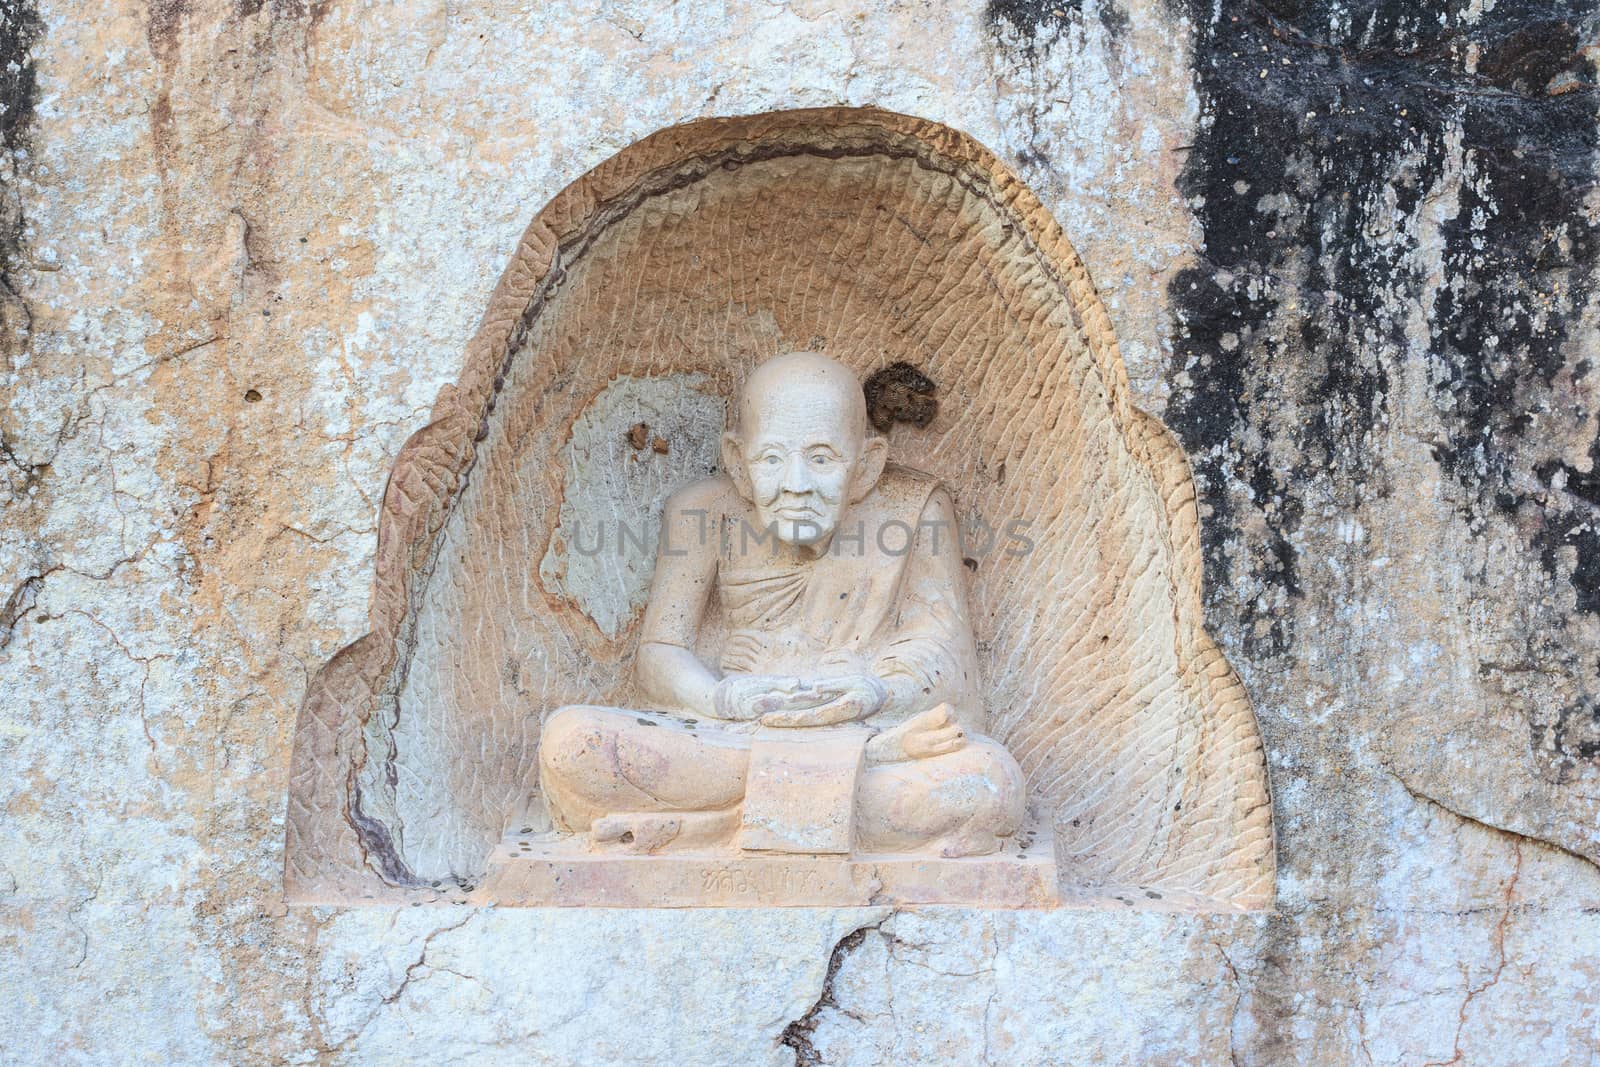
(640, 295)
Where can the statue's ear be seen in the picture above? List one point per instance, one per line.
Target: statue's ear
(869, 468)
(733, 463)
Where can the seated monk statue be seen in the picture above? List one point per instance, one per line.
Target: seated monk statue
(843, 713)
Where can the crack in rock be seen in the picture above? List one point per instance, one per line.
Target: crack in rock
(1499, 941)
(1238, 1001)
(20, 602)
(797, 1035)
(1517, 836)
(394, 995)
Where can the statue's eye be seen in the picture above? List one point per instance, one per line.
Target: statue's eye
(772, 459)
(821, 461)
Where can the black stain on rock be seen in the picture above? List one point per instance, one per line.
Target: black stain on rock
(163, 20)
(1568, 518)
(1577, 730)
(1028, 17)
(1034, 20)
(21, 30)
(1113, 18)
(1327, 130)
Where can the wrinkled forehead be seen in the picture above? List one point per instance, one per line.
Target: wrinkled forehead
(803, 413)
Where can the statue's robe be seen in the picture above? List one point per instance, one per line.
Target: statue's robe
(884, 595)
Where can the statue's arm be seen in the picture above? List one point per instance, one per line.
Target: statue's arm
(673, 677)
(932, 657)
(666, 668)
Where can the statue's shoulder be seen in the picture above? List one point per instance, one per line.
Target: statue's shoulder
(908, 482)
(713, 494)
(904, 488)
(899, 475)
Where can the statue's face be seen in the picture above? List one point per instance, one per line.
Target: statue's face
(800, 448)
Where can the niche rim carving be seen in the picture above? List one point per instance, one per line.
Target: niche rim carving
(1109, 834)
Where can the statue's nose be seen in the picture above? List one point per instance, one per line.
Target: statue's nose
(796, 475)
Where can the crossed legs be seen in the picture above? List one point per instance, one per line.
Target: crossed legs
(644, 781)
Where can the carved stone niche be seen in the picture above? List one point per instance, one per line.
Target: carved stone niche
(554, 707)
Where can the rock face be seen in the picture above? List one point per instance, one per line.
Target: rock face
(1350, 253)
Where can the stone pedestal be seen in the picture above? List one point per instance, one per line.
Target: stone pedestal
(528, 871)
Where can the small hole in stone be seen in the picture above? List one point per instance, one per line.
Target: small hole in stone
(251, 396)
(627, 837)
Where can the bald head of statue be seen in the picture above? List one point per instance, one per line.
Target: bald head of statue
(801, 451)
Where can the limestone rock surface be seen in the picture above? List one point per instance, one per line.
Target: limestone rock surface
(1350, 253)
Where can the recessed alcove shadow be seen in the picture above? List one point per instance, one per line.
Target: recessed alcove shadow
(598, 382)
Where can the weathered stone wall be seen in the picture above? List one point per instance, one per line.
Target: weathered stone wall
(1351, 253)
